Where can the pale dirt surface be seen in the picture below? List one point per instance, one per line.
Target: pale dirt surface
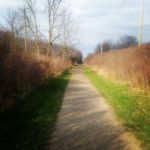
(86, 122)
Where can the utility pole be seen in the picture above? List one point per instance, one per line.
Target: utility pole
(141, 24)
(101, 47)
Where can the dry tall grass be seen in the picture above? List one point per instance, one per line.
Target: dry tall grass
(130, 65)
(20, 70)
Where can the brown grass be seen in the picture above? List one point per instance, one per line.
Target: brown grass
(23, 71)
(130, 65)
(20, 70)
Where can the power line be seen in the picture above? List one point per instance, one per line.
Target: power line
(117, 13)
(117, 22)
(113, 20)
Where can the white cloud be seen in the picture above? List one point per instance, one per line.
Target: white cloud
(119, 18)
(95, 15)
(9, 3)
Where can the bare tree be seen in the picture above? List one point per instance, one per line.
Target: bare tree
(32, 20)
(107, 45)
(25, 27)
(13, 25)
(53, 15)
(17, 24)
(76, 56)
(68, 30)
(123, 42)
(13, 21)
(65, 32)
(127, 41)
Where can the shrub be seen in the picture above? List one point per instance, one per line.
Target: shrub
(20, 70)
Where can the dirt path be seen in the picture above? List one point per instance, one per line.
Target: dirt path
(86, 122)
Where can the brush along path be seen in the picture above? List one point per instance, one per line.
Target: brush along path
(86, 122)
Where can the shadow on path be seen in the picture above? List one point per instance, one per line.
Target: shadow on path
(27, 126)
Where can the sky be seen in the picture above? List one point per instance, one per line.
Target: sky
(100, 20)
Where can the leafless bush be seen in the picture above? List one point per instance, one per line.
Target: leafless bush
(20, 71)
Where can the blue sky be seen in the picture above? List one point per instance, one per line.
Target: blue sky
(99, 20)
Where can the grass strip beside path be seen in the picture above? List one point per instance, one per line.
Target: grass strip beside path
(29, 124)
(130, 106)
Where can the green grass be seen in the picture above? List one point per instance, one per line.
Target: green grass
(130, 106)
(29, 124)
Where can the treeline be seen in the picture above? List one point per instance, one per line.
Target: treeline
(124, 41)
(128, 65)
(30, 53)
